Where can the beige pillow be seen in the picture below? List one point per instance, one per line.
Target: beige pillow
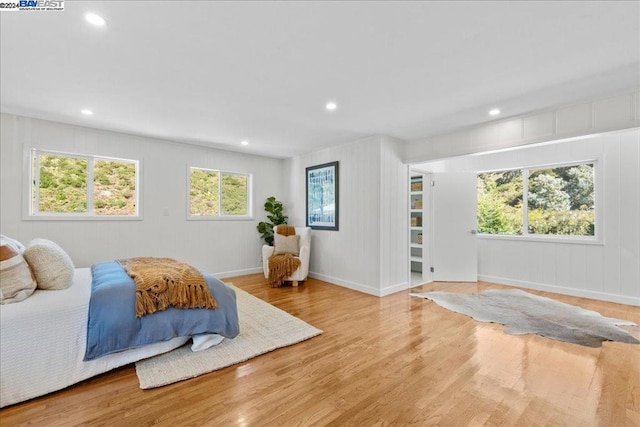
(16, 279)
(286, 244)
(50, 264)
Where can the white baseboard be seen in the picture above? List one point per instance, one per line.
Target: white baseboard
(420, 284)
(238, 272)
(359, 286)
(603, 296)
(346, 283)
(388, 290)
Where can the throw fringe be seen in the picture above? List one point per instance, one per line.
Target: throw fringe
(164, 282)
(281, 267)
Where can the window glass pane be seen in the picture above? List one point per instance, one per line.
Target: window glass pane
(500, 202)
(561, 201)
(203, 194)
(63, 184)
(85, 186)
(234, 194)
(114, 187)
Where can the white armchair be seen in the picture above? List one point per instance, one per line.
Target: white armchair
(305, 252)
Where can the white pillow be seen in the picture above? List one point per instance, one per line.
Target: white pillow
(16, 279)
(205, 341)
(14, 243)
(51, 265)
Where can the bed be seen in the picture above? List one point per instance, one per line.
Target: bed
(43, 340)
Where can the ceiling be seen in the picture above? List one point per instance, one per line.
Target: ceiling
(217, 73)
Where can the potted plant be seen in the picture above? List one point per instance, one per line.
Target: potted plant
(276, 216)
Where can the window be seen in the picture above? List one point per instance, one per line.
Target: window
(217, 194)
(557, 201)
(69, 185)
(500, 202)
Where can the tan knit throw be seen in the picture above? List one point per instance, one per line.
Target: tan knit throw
(282, 266)
(165, 282)
(286, 230)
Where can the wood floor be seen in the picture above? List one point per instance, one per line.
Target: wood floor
(395, 360)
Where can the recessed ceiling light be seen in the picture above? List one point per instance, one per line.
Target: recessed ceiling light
(331, 106)
(245, 142)
(94, 19)
(494, 112)
(87, 112)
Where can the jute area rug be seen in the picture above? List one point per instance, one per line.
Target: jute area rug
(263, 328)
(525, 313)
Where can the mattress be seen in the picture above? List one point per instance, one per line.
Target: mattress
(43, 342)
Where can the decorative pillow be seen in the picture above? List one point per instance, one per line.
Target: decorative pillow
(50, 264)
(13, 242)
(286, 244)
(16, 279)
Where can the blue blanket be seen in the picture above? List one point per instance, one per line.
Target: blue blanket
(113, 325)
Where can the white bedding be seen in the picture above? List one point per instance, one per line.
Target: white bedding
(43, 341)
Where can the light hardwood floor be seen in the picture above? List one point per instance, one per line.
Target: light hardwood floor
(395, 360)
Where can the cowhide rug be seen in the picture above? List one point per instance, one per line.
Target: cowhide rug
(525, 313)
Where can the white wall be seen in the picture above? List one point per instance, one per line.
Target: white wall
(224, 247)
(614, 112)
(369, 252)
(609, 270)
(394, 217)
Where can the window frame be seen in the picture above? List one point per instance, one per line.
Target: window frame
(32, 176)
(221, 217)
(596, 239)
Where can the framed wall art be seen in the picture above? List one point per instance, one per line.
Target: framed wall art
(322, 196)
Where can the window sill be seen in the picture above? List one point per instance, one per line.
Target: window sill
(81, 218)
(545, 239)
(220, 218)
